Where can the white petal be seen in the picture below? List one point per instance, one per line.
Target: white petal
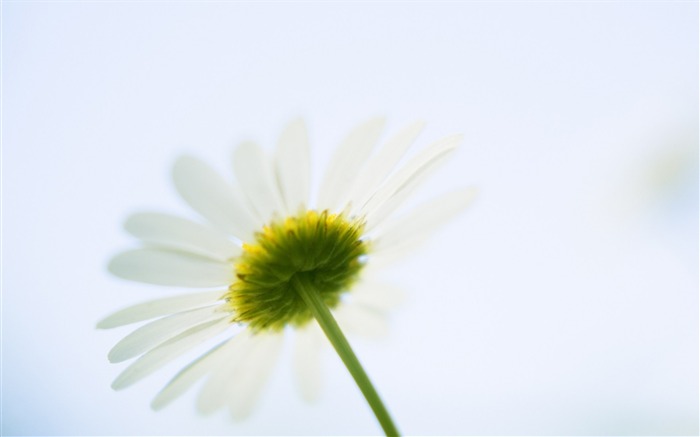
(392, 194)
(212, 197)
(377, 296)
(179, 233)
(165, 267)
(255, 175)
(360, 320)
(252, 374)
(380, 260)
(423, 220)
(154, 333)
(215, 391)
(346, 163)
(168, 351)
(382, 163)
(160, 307)
(307, 361)
(188, 376)
(293, 166)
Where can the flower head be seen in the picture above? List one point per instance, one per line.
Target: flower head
(325, 248)
(262, 249)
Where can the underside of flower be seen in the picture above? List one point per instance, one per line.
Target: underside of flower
(322, 249)
(269, 267)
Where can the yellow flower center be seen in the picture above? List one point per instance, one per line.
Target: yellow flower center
(325, 249)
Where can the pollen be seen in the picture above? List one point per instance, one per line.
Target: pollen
(326, 249)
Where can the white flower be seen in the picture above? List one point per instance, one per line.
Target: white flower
(262, 233)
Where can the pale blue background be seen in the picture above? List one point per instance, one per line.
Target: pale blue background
(565, 301)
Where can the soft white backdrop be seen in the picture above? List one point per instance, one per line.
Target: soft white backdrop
(565, 301)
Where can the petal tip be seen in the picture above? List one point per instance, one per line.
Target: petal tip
(115, 266)
(458, 138)
(103, 324)
(419, 124)
(157, 404)
(182, 160)
(296, 123)
(117, 384)
(238, 415)
(115, 357)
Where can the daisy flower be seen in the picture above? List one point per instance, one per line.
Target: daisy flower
(273, 262)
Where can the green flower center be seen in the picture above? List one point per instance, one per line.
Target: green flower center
(325, 249)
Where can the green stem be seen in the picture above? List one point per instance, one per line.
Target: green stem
(324, 318)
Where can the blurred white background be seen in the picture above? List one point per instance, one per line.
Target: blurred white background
(565, 301)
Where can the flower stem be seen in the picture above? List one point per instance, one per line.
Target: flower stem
(330, 327)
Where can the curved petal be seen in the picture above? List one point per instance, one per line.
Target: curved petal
(178, 233)
(160, 307)
(252, 374)
(346, 163)
(213, 198)
(293, 166)
(423, 220)
(213, 394)
(377, 296)
(360, 320)
(154, 333)
(382, 163)
(253, 170)
(387, 257)
(392, 194)
(188, 376)
(307, 361)
(164, 267)
(168, 351)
